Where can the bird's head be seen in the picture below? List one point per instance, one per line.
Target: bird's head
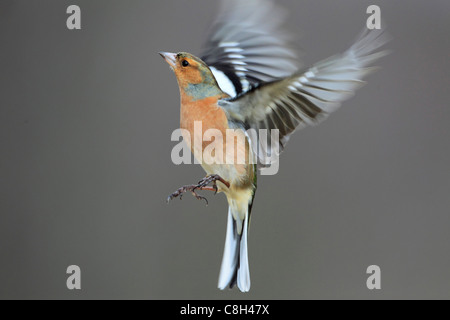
(194, 77)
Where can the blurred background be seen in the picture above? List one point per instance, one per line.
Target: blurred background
(85, 123)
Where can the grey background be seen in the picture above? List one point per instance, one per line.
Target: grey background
(85, 124)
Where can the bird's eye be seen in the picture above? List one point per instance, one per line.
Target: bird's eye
(184, 63)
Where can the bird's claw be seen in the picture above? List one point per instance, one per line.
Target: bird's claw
(181, 191)
(201, 185)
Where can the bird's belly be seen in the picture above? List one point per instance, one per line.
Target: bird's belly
(230, 159)
(234, 174)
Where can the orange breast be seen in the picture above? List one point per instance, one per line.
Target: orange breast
(211, 116)
(205, 111)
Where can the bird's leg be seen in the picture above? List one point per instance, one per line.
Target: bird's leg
(201, 185)
(213, 178)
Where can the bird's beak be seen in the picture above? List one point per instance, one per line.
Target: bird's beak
(171, 58)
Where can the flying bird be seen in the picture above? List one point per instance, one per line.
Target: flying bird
(248, 77)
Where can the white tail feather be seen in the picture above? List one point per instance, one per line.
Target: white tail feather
(230, 254)
(235, 267)
(243, 275)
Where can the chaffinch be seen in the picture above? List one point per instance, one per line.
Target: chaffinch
(248, 78)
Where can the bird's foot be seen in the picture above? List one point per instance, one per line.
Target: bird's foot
(201, 185)
(192, 189)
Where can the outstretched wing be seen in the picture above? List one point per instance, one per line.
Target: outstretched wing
(304, 98)
(248, 45)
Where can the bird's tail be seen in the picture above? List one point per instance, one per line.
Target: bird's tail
(235, 268)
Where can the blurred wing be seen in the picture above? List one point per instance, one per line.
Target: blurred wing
(248, 45)
(303, 99)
